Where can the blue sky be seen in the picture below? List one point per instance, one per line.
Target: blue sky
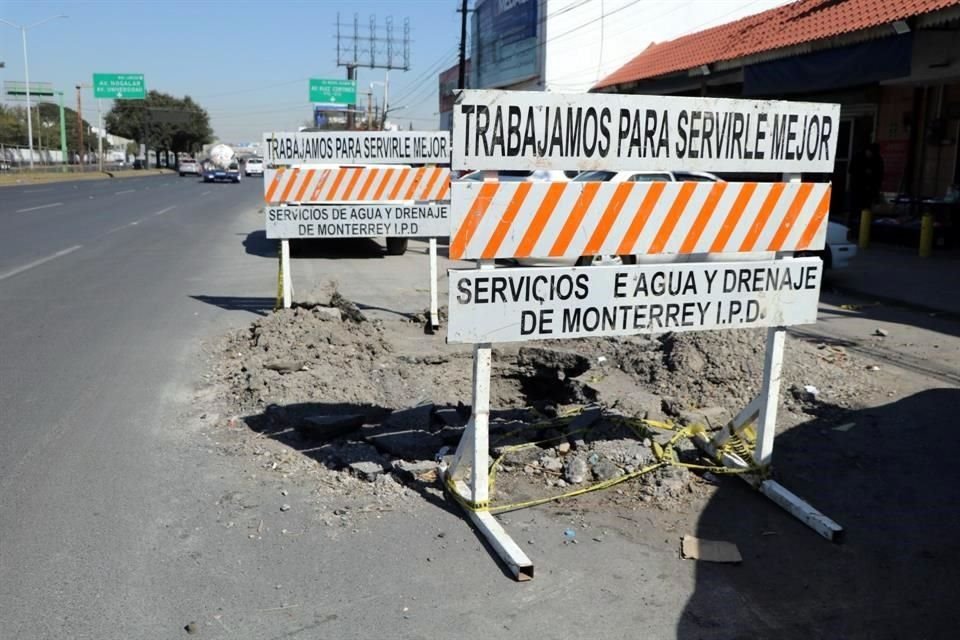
(247, 63)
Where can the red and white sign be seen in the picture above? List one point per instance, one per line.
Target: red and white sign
(571, 219)
(356, 184)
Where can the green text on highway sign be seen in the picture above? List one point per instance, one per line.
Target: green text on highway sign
(329, 91)
(119, 86)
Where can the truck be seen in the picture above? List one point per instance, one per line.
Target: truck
(221, 165)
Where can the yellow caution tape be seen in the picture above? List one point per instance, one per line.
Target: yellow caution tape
(740, 444)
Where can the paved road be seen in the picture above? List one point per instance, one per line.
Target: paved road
(111, 516)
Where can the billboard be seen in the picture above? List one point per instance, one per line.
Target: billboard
(505, 42)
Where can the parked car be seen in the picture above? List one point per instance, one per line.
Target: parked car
(253, 167)
(535, 175)
(139, 164)
(189, 165)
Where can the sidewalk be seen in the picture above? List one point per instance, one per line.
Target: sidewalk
(899, 276)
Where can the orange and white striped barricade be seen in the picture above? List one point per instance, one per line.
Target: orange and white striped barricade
(358, 185)
(712, 255)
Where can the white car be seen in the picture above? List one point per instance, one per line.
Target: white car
(189, 165)
(253, 167)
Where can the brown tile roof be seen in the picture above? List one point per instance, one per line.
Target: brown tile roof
(796, 23)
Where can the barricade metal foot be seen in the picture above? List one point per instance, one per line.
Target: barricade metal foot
(509, 552)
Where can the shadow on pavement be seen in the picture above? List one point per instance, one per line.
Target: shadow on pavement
(258, 306)
(256, 244)
(888, 477)
(336, 248)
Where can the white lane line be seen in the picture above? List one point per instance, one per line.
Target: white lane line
(37, 190)
(124, 191)
(43, 206)
(205, 193)
(163, 211)
(37, 263)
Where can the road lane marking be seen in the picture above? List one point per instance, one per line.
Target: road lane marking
(37, 190)
(124, 191)
(43, 206)
(205, 193)
(163, 211)
(37, 263)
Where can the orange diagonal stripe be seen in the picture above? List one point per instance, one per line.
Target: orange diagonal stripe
(289, 187)
(371, 176)
(673, 216)
(762, 216)
(472, 220)
(706, 212)
(307, 179)
(529, 241)
(434, 175)
(404, 174)
(417, 177)
(336, 184)
(383, 183)
(730, 223)
(272, 189)
(654, 189)
(445, 188)
(816, 222)
(516, 202)
(316, 190)
(793, 212)
(579, 210)
(608, 218)
(353, 182)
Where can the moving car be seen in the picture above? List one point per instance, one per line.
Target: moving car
(189, 165)
(219, 174)
(253, 167)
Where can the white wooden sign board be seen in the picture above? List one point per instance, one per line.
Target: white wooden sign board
(512, 305)
(529, 130)
(364, 147)
(394, 220)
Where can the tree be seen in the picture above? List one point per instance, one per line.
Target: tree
(162, 122)
(46, 127)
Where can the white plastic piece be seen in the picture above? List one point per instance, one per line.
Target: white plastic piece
(287, 276)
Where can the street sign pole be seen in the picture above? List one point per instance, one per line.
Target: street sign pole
(26, 73)
(100, 134)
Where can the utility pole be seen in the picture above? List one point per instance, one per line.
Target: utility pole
(462, 73)
(80, 126)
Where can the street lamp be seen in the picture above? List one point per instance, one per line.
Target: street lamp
(26, 72)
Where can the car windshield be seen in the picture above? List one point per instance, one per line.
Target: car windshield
(595, 176)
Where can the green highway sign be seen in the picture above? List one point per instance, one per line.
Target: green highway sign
(119, 86)
(16, 89)
(330, 91)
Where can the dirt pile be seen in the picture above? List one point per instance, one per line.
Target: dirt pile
(372, 399)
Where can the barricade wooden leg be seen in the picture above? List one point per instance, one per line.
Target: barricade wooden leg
(434, 285)
(770, 396)
(285, 271)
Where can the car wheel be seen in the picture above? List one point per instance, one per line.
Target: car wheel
(182, 174)
(396, 246)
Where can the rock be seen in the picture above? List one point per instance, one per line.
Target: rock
(325, 428)
(423, 470)
(706, 416)
(284, 507)
(882, 333)
(563, 448)
(575, 470)
(604, 470)
(345, 454)
(802, 394)
(284, 366)
(550, 463)
(366, 469)
(401, 442)
(350, 311)
(328, 313)
(319, 296)
(191, 628)
(411, 418)
(450, 417)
